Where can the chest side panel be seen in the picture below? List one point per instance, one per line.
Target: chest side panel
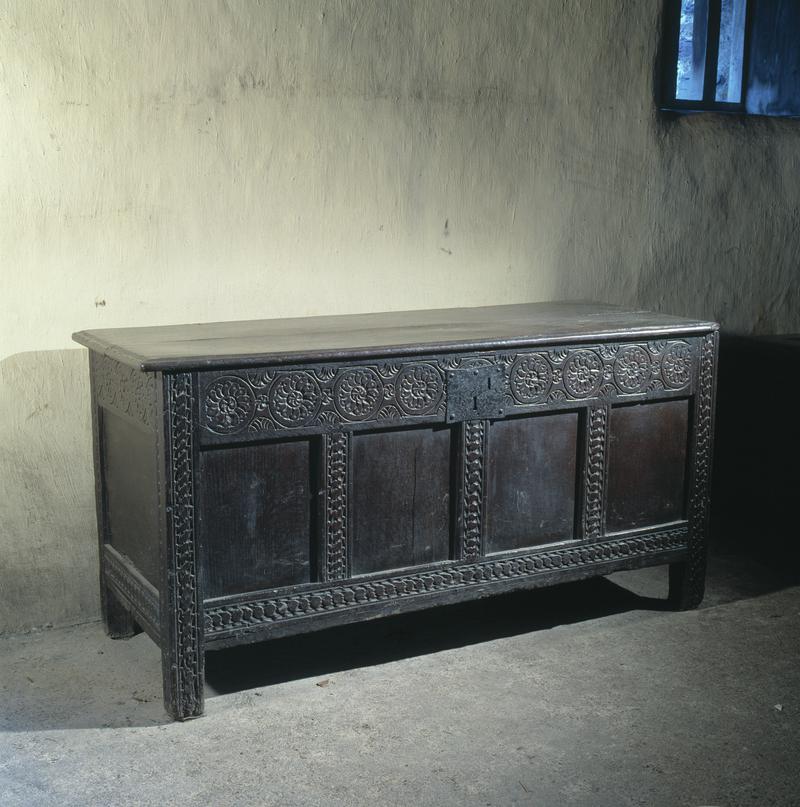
(125, 419)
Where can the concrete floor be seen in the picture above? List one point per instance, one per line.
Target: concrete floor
(586, 694)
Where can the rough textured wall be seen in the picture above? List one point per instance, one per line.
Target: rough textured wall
(184, 161)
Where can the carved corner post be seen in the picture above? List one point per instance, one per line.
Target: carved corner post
(687, 578)
(181, 604)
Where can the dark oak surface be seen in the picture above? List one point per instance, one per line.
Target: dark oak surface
(255, 517)
(131, 498)
(401, 499)
(252, 342)
(240, 498)
(531, 479)
(647, 461)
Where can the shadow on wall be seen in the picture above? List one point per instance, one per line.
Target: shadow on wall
(665, 224)
(756, 475)
(48, 573)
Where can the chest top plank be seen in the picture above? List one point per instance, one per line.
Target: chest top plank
(281, 341)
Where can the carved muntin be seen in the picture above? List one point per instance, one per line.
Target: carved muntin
(336, 491)
(595, 473)
(472, 488)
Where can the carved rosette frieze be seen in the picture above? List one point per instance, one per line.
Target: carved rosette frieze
(124, 389)
(248, 402)
(597, 437)
(473, 452)
(277, 399)
(224, 619)
(336, 513)
(183, 644)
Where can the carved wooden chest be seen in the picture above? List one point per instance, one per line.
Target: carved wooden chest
(258, 479)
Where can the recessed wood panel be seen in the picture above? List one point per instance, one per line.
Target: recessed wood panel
(531, 481)
(647, 464)
(256, 516)
(401, 499)
(129, 468)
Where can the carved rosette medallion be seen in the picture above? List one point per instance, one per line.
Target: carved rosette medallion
(632, 369)
(583, 373)
(676, 365)
(229, 405)
(419, 389)
(531, 378)
(294, 399)
(358, 394)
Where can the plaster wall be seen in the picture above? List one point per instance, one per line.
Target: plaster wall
(184, 161)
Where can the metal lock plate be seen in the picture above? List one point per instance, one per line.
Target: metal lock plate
(474, 393)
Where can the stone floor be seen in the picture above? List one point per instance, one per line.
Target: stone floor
(587, 694)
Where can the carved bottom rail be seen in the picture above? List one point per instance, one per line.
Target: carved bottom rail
(222, 619)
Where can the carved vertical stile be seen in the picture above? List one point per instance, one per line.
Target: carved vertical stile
(182, 642)
(687, 580)
(595, 478)
(337, 461)
(473, 485)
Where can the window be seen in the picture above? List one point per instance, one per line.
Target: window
(732, 55)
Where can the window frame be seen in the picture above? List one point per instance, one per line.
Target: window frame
(669, 66)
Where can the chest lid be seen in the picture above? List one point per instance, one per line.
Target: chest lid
(249, 343)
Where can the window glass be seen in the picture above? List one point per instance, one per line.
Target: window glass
(731, 51)
(692, 50)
